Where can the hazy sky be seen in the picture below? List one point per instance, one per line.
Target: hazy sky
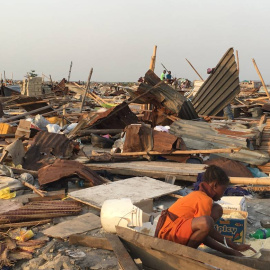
(116, 37)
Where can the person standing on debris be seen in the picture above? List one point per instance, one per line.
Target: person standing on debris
(162, 76)
(190, 220)
(169, 78)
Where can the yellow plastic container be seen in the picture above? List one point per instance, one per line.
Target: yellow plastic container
(5, 128)
(56, 120)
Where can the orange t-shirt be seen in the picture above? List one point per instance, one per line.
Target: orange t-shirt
(195, 204)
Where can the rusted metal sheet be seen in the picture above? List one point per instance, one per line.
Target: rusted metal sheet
(41, 210)
(46, 147)
(165, 142)
(65, 168)
(138, 138)
(220, 88)
(201, 135)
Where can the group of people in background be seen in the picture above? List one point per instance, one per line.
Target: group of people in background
(167, 77)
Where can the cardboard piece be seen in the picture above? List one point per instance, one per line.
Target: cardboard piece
(79, 224)
(234, 229)
(233, 203)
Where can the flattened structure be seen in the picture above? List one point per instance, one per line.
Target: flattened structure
(220, 88)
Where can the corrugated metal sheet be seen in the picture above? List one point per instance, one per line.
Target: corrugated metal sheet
(65, 168)
(202, 135)
(220, 88)
(46, 147)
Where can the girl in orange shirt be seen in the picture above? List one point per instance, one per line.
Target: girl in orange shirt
(190, 220)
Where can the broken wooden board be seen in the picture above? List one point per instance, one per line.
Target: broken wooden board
(137, 189)
(154, 169)
(161, 254)
(90, 241)
(80, 224)
(124, 259)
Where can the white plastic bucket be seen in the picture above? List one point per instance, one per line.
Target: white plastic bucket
(121, 213)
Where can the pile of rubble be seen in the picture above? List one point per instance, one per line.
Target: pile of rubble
(65, 152)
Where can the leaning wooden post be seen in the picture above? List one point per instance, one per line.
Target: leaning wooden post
(69, 71)
(237, 59)
(153, 59)
(195, 70)
(87, 88)
(259, 73)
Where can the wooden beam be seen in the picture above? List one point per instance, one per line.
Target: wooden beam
(121, 253)
(180, 152)
(90, 241)
(165, 255)
(195, 70)
(87, 88)
(153, 59)
(261, 78)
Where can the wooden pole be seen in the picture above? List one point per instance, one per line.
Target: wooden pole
(195, 70)
(5, 79)
(69, 71)
(87, 88)
(259, 73)
(180, 152)
(250, 181)
(153, 59)
(237, 59)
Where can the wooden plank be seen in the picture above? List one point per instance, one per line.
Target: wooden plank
(154, 169)
(137, 189)
(121, 253)
(79, 224)
(197, 259)
(90, 241)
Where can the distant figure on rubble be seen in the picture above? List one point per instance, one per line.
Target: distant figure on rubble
(190, 220)
(169, 78)
(141, 80)
(162, 76)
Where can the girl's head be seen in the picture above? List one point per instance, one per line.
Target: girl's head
(217, 179)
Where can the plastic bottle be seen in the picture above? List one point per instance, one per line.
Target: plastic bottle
(261, 233)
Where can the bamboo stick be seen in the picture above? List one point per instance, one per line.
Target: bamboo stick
(261, 78)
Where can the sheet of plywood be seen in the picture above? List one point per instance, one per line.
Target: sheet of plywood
(137, 189)
(80, 224)
(154, 169)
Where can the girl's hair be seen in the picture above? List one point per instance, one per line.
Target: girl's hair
(214, 173)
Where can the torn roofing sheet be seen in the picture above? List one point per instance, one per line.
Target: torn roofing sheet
(64, 168)
(46, 146)
(220, 88)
